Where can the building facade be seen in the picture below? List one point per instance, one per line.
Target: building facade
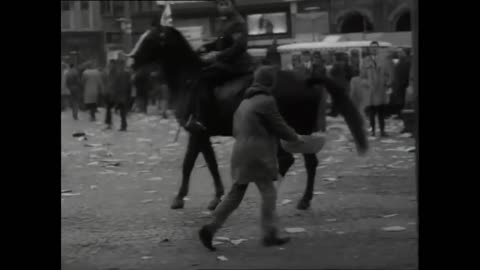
(100, 25)
(82, 37)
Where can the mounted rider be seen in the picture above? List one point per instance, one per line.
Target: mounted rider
(228, 58)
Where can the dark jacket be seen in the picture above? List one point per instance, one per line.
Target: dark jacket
(400, 81)
(74, 83)
(342, 75)
(120, 85)
(257, 126)
(232, 44)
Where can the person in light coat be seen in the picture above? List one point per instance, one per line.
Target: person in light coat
(92, 80)
(379, 75)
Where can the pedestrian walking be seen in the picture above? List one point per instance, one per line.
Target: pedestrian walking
(92, 81)
(118, 92)
(74, 85)
(379, 75)
(257, 126)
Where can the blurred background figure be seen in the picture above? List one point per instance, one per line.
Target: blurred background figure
(92, 80)
(341, 73)
(296, 62)
(400, 81)
(142, 82)
(64, 90)
(273, 57)
(160, 91)
(119, 91)
(74, 85)
(318, 66)
(360, 92)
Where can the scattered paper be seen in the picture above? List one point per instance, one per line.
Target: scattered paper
(238, 241)
(70, 194)
(172, 145)
(318, 193)
(286, 201)
(295, 230)
(144, 140)
(330, 179)
(155, 179)
(107, 172)
(405, 135)
(147, 201)
(389, 141)
(222, 238)
(222, 258)
(186, 199)
(394, 229)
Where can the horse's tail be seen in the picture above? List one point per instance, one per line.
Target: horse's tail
(347, 109)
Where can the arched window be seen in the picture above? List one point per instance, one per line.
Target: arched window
(403, 22)
(355, 22)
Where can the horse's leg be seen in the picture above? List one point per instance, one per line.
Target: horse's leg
(311, 163)
(209, 155)
(193, 149)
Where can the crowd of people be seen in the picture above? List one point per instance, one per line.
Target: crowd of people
(89, 86)
(378, 85)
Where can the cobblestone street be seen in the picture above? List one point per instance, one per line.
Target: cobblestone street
(117, 189)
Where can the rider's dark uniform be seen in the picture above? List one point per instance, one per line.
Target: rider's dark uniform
(232, 60)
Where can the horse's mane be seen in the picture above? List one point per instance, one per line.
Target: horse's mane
(180, 49)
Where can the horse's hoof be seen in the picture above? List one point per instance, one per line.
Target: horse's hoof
(177, 203)
(213, 204)
(303, 205)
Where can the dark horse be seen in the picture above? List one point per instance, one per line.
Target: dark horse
(298, 103)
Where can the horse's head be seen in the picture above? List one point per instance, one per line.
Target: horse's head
(162, 45)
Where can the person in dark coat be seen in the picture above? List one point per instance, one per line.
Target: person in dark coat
(74, 85)
(400, 81)
(341, 73)
(257, 126)
(272, 56)
(228, 57)
(118, 93)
